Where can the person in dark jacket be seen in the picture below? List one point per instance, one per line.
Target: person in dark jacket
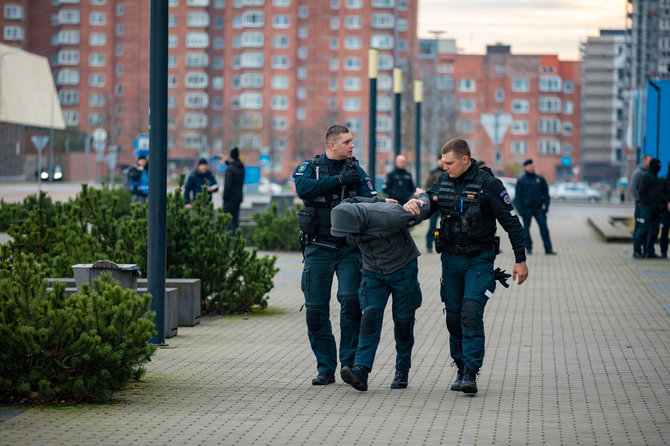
(201, 177)
(652, 202)
(532, 201)
(665, 213)
(233, 184)
(399, 185)
(379, 229)
(138, 175)
(636, 177)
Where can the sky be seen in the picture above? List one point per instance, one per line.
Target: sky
(530, 26)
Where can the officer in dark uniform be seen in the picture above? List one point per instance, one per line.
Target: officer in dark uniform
(532, 201)
(470, 200)
(399, 185)
(322, 183)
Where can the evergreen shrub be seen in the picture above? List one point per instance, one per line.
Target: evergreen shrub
(275, 231)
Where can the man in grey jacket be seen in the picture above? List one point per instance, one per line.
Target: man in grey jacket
(389, 253)
(635, 179)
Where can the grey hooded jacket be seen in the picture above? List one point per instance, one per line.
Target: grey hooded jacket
(380, 231)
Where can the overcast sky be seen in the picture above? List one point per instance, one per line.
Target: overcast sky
(530, 26)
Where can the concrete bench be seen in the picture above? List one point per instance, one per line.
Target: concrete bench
(188, 313)
(611, 230)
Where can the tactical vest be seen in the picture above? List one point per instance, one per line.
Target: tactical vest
(467, 227)
(322, 204)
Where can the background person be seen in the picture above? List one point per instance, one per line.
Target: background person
(233, 188)
(665, 213)
(138, 177)
(636, 177)
(201, 177)
(532, 201)
(399, 185)
(652, 203)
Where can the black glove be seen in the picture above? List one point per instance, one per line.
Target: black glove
(348, 177)
(501, 276)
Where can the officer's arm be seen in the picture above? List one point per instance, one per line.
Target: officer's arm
(504, 212)
(365, 188)
(306, 186)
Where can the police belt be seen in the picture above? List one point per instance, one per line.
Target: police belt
(327, 242)
(472, 250)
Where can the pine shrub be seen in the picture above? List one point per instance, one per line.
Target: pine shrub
(275, 231)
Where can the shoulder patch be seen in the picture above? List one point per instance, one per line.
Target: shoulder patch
(368, 183)
(301, 168)
(505, 197)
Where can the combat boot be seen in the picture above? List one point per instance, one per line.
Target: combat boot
(323, 379)
(356, 376)
(469, 382)
(456, 385)
(400, 380)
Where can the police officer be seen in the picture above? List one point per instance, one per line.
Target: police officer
(399, 185)
(470, 200)
(322, 183)
(532, 201)
(138, 175)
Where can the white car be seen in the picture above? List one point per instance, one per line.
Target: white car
(266, 187)
(574, 192)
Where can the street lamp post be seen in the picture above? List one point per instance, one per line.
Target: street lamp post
(397, 90)
(657, 88)
(372, 137)
(418, 98)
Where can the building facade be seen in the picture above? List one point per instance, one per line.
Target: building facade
(267, 76)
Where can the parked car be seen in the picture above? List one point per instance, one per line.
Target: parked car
(574, 192)
(267, 187)
(56, 174)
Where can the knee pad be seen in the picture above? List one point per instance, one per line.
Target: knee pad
(352, 308)
(369, 321)
(313, 315)
(472, 315)
(403, 329)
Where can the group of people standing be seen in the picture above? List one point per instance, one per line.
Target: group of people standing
(348, 231)
(652, 208)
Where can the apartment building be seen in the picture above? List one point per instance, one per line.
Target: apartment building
(266, 75)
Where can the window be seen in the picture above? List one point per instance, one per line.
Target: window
(520, 106)
(14, 12)
(217, 103)
(334, 43)
(334, 23)
(332, 84)
(218, 43)
(172, 20)
(119, 49)
(172, 41)
(382, 21)
(67, 77)
(567, 128)
(68, 57)
(250, 140)
(97, 2)
(384, 144)
(550, 84)
(567, 108)
(466, 126)
(500, 69)
(280, 62)
(118, 70)
(218, 63)
(172, 61)
(548, 147)
(352, 84)
(384, 103)
(251, 39)
(500, 95)
(353, 43)
(302, 73)
(381, 41)
(68, 17)
(96, 80)
(303, 12)
(445, 83)
(97, 39)
(549, 126)
(334, 64)
(197, 19)
(519, 127)
(65, 37)
(279, 143)
(334, 4)
(280, 41)
(172, 101)
(384, 82)
(217, 83)
(253, 19)
(281, 2)
(568, 87)
(251, 101)
(251, 121)
(384, 124)
(240, 3)
(281, 21)
(197, 3)
(218, 22)
(96, 60)
(97, 18)
(71, 117)
(119, 29)
(196, 80)
(549, 105)
(68, 97)
(119, 9)
(173, 3)
(520, 84)
(196, 100)
(251, 60)
(172, 81)
(192, 141)
(279, 103)
(197, 60)
(353, 4)
(351, 104)
(385, 62)
(352, 63)
(466, 105)
(519, 147)
(567, 149)
(402, 25)
(302, 32)
(279, 123)
(195, 120)
(382, 3)
(466, 85)
(302, 53)
(197, 40)
(280, 82)
(95, 119)
(301, 93)
(353, 22)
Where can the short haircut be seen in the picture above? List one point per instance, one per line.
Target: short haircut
(458, 146)
(334, 131)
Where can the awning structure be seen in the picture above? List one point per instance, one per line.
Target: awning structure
(27, 91)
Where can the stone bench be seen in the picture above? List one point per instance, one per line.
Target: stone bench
(189, 299)
(611, 230)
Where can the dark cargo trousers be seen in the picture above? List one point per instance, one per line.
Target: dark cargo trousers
(403, 285)
(317, 280)
(467, 284)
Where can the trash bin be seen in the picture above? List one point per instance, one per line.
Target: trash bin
(124, 273)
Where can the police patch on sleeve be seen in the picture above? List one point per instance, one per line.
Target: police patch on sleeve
(505, 197)
(301, 168)
(368, 183)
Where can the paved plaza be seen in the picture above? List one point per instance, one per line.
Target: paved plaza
(580, 354)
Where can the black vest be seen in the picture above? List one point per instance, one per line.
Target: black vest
(467, 226)
(325, 202)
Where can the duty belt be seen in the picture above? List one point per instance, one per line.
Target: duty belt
(470, 250)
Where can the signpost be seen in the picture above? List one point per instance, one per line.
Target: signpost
(39, 142)
(496, 126)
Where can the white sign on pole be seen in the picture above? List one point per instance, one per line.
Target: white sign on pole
(39, 141)
(99, 135)
(496, 131)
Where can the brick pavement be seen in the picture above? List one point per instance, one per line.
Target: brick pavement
(580, 354)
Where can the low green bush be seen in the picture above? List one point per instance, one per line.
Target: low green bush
(81, 348)
(275, 231)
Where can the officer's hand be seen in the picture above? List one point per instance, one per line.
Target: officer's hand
(413, 205)
(348, 178)
(419, 191)
(391, 200)
(520, 270)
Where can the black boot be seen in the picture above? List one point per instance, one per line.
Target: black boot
(456, 385)
(356, 376)
(469, 382)
(323, 379)
(400, 380)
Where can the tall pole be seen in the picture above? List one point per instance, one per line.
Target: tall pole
(658, 114)
(495, 142)
(418, 98)
(158, 50)
(397, 89)
(372, 138)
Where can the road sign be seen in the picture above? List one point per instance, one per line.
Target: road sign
(100, 134)
(496, 125)
(40, 142)
(264, 160)
(141, 142)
